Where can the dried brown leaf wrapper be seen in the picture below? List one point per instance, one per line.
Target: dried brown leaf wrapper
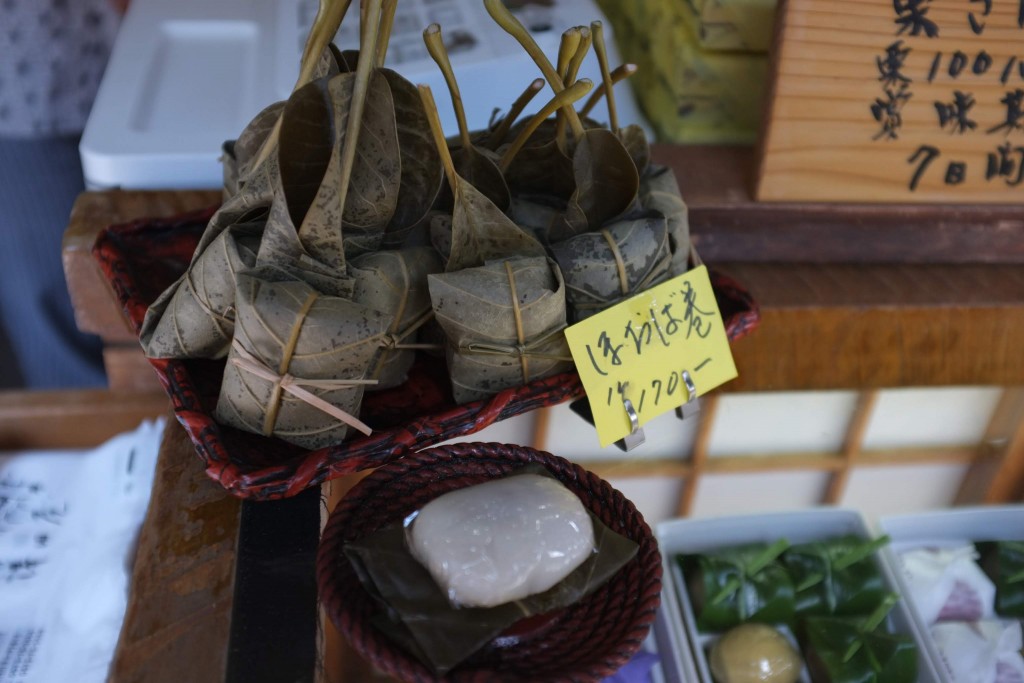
(481, 232)
(542, 169)
(281, 248)
(606, 184)
(395, 282)
(441, 233)
(195, 317)
(422, 173)
(536, 214)
(624, 258)
(634, 139)
(486, 344)
(240, 154)
(375, 182)
(479, 167)
(659, 191)
(291, 330)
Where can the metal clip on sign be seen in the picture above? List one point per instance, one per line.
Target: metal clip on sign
(636, 435)
(692, 405)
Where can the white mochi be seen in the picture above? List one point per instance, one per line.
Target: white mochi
(502, 540)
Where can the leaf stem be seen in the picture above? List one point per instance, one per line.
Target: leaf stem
(767, 556)
(565, 97)
(498, 136)
(435, 46)
(621, 72)
(571, 69)
(328, 19)
(438, 134)
(597, 29)
(567, 48)
(365, 68)
(586, 39)
(325, 25)
(860, 552)
(387, 22)
(505, 19)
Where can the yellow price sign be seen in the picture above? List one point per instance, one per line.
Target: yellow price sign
(640, 348)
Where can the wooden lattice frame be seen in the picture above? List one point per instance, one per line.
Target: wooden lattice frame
(995, 464)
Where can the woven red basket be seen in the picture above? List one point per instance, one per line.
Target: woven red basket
(144, 257)
(584, 642)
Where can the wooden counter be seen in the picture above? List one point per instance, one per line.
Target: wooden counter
(824, 326)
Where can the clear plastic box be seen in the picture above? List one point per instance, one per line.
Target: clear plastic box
(704, 535)
(946, 528)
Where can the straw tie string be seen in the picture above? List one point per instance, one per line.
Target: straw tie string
(287, 383)
(620, 263)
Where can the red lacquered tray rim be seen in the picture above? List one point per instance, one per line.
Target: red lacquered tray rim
(317, 466)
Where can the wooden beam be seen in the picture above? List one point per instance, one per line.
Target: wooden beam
(179, 611)
(72, 419)
(870, 327)
(699, 456)
(727, 225)
(852, 443)
(994, 448)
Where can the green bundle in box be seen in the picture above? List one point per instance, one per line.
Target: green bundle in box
(730, 25)
(690, 95)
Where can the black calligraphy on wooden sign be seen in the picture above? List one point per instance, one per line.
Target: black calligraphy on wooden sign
(940, 115)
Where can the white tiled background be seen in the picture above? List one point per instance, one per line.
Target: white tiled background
(776, 424)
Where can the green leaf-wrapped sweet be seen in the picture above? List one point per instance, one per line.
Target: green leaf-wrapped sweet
(736, 585)
(1003, 561)
(857, 650)
(837, 576)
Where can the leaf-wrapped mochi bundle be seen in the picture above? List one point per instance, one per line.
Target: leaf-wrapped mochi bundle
(195, 317)
(503, 322)
(420, 163)
(659, 191)
(622, 259)
(858, 649)
(240, 155)
(735, 585)
(395, 282)
(837, 576)
(298, 361)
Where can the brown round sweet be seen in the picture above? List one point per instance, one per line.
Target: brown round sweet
(754, 653)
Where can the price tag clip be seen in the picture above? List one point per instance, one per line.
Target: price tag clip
(636, 436)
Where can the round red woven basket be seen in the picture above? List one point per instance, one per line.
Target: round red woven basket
(587, 641)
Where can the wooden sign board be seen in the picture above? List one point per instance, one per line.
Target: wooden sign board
(896, 101)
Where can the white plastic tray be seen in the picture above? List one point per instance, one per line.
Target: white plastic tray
(944, 529)
(704, 535)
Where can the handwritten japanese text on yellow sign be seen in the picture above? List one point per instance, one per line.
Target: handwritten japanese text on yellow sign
(639, 349)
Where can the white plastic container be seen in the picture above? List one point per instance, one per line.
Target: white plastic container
(692, 536)
(677, 661)
(946, 528)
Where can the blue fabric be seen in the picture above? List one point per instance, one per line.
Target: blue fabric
(636, 670)
(39, 180)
